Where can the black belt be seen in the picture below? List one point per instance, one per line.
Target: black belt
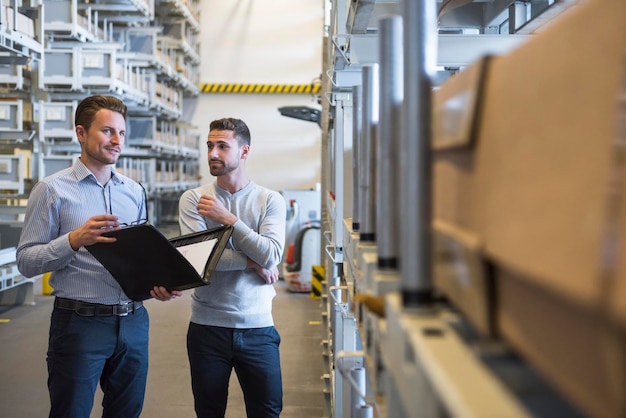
(96, 309)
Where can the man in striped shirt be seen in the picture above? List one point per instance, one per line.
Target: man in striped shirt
(97, 334)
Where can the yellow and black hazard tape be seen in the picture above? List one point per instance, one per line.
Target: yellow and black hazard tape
(317, 277)
(261, 88)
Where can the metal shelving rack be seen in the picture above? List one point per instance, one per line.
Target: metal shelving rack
(21, 51)
(421, 358)
(123, 48)
(53, 53)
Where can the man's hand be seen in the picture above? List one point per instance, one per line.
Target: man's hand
(214, 209)
(269, 276)
(162, 294)
(91, 231)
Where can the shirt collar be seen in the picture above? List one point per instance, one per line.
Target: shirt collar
(82, 172)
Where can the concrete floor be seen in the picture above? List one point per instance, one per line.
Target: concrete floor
(23, 345)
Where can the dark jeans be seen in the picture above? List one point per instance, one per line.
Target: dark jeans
(254, 353)
(83, 350)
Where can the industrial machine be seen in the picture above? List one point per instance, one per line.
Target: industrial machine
(302, 255)
(302, 238)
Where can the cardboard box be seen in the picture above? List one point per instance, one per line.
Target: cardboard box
(460, 273)
(458, 253)
(581, 355)
(547, 152)
(535, 188)
(541, 187)
(535, 185)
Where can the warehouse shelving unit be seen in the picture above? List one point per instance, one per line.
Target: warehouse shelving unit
(394, 345)
(53, 53)
(21, 50)
(129, 56)
(117, 48)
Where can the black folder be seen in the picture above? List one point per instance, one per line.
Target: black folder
(142, 257)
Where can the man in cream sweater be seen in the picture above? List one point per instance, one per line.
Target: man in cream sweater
(231, 319)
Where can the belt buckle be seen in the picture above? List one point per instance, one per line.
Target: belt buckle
(123, 310)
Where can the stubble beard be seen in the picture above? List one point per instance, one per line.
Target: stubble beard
(221, 169)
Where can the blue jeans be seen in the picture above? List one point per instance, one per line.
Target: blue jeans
(253, 353)
(85, 350)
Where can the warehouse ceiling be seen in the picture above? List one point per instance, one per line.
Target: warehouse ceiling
(499, 16)
(468, 29)
(468, 16)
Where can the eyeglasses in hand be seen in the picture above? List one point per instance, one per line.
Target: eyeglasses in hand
(145, 205)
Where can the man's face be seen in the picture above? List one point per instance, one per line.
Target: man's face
(224, 152)
(103, 142)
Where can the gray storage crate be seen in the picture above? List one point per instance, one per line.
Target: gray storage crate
(15, 115)
(56, 121)
(63, 21)
(15, 77)
(12, 174)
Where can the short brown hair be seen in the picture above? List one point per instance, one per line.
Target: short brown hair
(87, 109)
(239, 127)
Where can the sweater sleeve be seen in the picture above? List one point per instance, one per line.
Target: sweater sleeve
(264, 247)
(191, 221)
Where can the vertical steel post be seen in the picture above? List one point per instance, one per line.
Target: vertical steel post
(367, 153)
(390, 107)
(356, 138)
(420, 54)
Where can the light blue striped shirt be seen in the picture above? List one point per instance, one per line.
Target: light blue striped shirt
(57, 205)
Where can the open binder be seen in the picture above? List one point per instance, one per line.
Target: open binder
(142, 257)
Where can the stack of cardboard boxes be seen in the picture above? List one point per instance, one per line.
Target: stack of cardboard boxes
(530, 201)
